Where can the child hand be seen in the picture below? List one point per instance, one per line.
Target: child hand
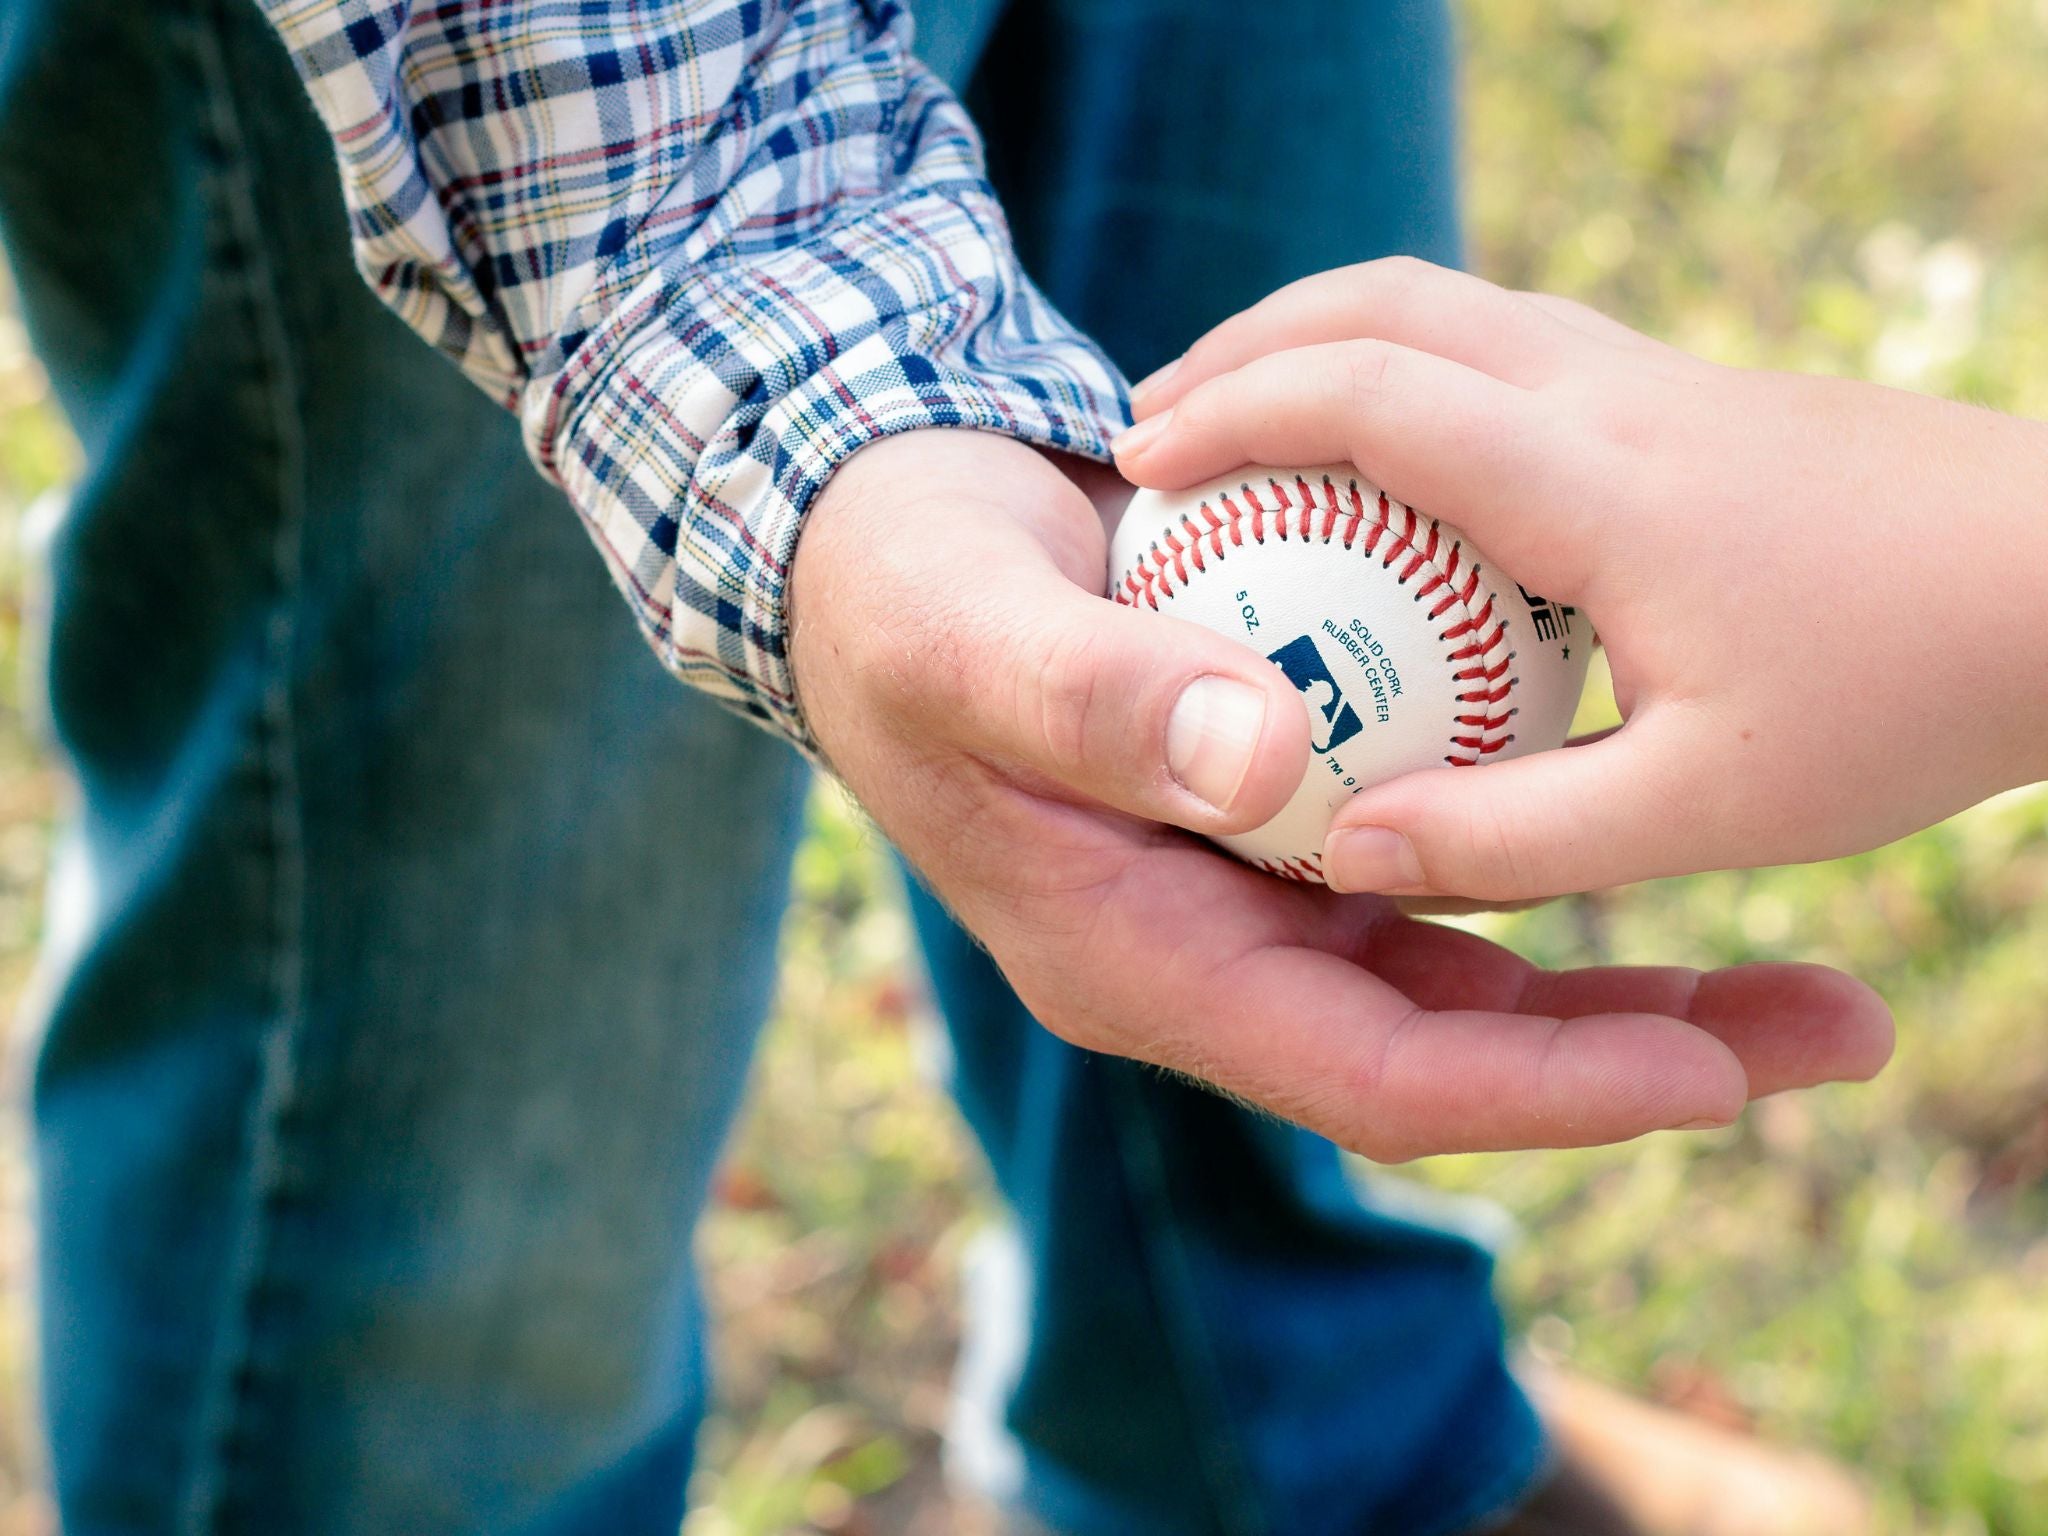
(1825, 604)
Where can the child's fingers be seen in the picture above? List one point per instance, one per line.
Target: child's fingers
(1412, 303)
(1623, 809)
(1451, 440)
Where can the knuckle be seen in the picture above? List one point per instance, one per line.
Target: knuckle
(1365, 1115)
(1492, 859)
(1067, 700)
(1396, 276)
(1368, 373)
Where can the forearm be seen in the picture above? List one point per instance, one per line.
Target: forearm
(1972, 548)
(706, 250)
(2026, 517)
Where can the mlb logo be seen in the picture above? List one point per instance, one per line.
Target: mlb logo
(1306, 669)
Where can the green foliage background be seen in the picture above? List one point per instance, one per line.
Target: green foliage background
(1848, 186)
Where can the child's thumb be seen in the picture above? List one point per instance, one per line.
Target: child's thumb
(1579, 819)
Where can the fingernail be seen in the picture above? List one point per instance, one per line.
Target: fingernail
(1702, 1125)
(1137, 439)
(1370, 859)
(1212, 736)
(1153, 380)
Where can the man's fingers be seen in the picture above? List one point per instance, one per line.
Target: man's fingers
(1265, 990)
(1796, 1025)
(1394, 1037)
(1354, 1058)
(1398, 299)
(1455, 442)
(1629, 807)
(1791, 1026)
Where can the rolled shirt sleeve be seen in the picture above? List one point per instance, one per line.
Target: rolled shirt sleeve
(705, 249)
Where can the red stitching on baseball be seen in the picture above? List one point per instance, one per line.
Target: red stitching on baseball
(1179, 566)
(1306, 870)
(1478, 735)
(1482, 617)
(1357, 515)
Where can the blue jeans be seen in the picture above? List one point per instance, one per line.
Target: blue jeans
(410, 941)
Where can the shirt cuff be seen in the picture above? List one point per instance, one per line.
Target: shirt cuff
(697, 426)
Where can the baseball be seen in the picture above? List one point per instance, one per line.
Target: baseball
(1410, 648)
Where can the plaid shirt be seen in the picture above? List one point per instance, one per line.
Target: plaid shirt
(706, 249)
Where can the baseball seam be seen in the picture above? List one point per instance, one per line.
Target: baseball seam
(1304, 870)
(1478, 658)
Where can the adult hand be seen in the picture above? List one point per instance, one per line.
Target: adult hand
(1825, 604)
(1021, 739)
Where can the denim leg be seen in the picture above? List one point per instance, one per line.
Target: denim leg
(1166, 163)
(408, 946)
(1200, 1326)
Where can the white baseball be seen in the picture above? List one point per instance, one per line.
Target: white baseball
(1411, 650)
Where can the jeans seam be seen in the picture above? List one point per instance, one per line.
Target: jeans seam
(1222, 1461)
(225, 1383)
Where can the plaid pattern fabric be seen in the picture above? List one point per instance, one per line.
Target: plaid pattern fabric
(706, 249)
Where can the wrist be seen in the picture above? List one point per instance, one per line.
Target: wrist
(822, 593)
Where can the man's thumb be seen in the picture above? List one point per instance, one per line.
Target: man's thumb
(1146, 713)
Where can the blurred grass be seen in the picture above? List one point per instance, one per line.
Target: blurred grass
(1839, 185)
